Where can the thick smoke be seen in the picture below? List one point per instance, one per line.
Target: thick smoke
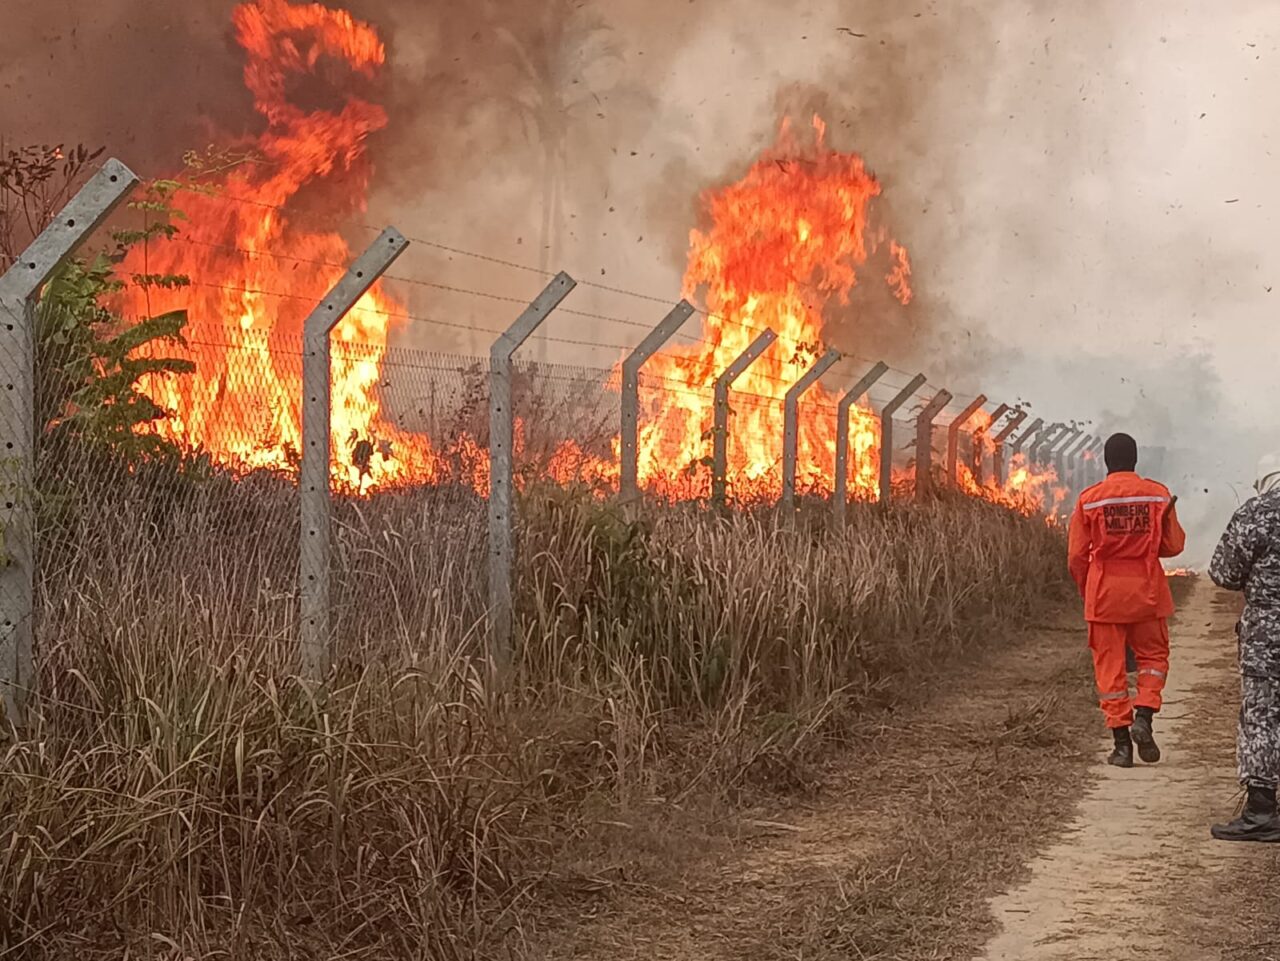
(146, 80)
(1085, 189)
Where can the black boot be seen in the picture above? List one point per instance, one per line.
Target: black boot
(1148, 749)
(1122, 756)
(1258, 822)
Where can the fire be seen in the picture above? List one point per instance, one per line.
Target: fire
(1027, 488)
(899, 278)
(781, 246)
(257, 274)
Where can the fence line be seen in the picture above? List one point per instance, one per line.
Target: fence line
(477, 396)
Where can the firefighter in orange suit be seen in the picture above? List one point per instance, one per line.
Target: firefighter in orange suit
(1119, 531)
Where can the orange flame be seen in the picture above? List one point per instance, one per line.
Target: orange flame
(248, 305)
(1027, 488)
(782, 245)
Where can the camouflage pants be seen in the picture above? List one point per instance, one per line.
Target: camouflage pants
(1258, 737)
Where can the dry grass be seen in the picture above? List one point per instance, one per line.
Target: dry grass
(181, 794)
(993, 790)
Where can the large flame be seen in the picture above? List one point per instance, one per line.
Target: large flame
(781, 246)
(257, 274)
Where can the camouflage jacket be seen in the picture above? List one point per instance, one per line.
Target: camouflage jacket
(1248, 559)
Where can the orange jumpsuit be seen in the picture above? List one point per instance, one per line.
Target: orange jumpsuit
(1119, 531)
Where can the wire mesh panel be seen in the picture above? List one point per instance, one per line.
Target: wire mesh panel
(409, 548)
(674, 435)
(567, 426)
(163, 469)
(755, 448)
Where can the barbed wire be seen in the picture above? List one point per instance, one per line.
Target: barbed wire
(489, 258)
(437, 285)
(514, 265)
(393, 356)
(228, 248)
(465, 327)
(522, 302)
(514, 300)
(231, 288)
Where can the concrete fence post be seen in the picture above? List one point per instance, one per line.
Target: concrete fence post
(886, 435)
(1100, 459)
(1051, 450)
(791, 427)
(720, 427)
(1042, 447)
(502, 467)
(19, 292)
(924, 441)
(998, 466)
(840, 499)
(1037, 426)
(953, 437)
(983, 439)
(1062, 461)
(1078, 465)
(1084, 462)
(629, 485)
(1069, 464)
(314, 475)
(1058, 460)
(1056, 452)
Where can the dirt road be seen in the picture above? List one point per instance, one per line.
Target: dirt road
(1138, 872)
(983, 823)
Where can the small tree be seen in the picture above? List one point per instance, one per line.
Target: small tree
(90, 364)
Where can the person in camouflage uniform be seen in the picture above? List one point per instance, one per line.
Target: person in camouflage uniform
(1248, 560)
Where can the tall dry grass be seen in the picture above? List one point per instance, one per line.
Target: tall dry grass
(180, 794)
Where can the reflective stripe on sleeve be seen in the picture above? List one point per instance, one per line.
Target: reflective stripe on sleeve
(1145, 499)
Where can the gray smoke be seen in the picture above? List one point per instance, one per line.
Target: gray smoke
(146, 80)
(1086, 189)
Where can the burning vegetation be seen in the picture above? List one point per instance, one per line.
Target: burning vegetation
(200, 793)
(781, 249)
(781, 245)
(256, 274)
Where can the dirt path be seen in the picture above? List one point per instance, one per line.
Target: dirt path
(906, 841)
(981, 823)
(1138, 875)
